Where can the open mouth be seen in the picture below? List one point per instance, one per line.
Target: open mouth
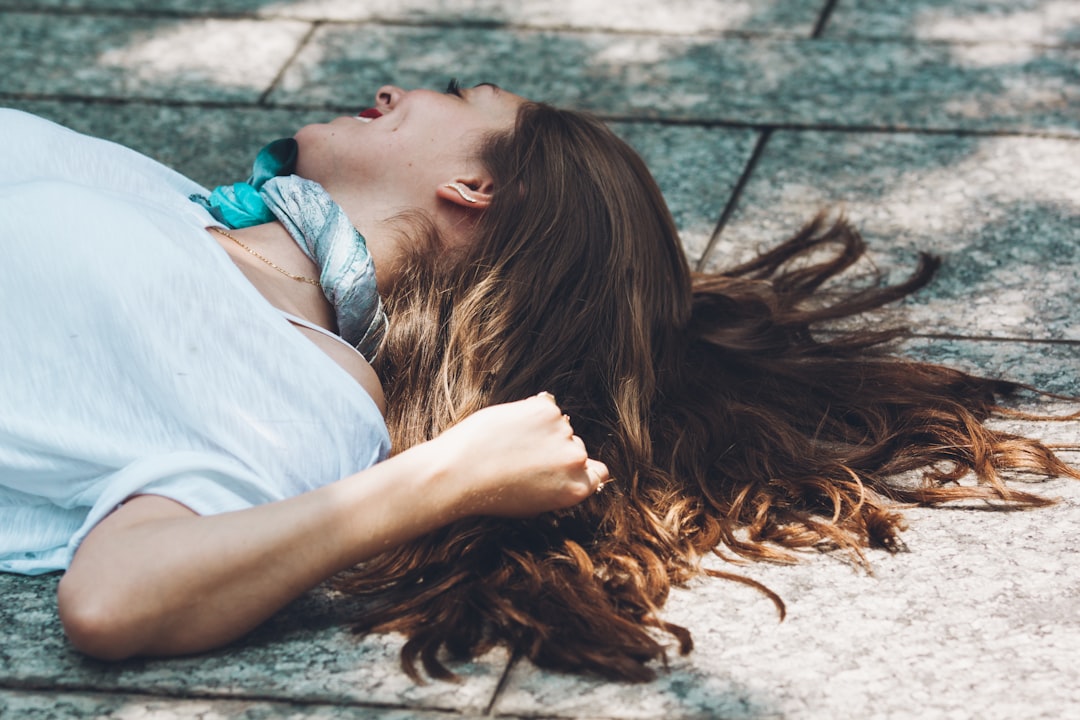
(368, 115)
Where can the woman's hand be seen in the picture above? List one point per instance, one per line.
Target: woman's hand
(517, 460)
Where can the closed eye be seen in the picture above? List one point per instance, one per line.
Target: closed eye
(453, 87)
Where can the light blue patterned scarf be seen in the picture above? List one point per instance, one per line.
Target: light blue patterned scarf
(321, 229)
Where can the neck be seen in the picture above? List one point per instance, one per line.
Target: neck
(386, 222)
(272, 241)
(379, 220)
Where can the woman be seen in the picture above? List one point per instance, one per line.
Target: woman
(522, 249)
(155, 389)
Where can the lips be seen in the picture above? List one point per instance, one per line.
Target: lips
(368, 115)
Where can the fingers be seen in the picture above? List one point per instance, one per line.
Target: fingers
(596, 471)
(545, 395)
(551, 410)
(598, 474)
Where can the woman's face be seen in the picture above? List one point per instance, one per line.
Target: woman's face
(409, 144)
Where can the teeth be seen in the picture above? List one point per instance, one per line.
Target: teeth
(363, 119)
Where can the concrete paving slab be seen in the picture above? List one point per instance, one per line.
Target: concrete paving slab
(980, 620)
(38, 705)
(774, 17)
(1002, 212)
(193, 59)
(730, 80)
(305, 654)
(1041, 22)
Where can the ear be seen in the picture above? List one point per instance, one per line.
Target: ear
(469, 193)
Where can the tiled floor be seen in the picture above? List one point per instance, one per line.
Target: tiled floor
(945, 125)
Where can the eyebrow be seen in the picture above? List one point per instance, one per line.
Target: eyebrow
(491, 85)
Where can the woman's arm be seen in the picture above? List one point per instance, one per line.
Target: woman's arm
(153, 578)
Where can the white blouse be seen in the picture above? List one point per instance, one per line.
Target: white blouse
(138, 359)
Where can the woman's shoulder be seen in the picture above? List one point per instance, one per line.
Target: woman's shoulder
(37, 148)
(12, 119)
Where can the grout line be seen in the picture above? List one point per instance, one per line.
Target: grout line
(135, 14)
(826, 127)
(166, 694)
(265, 95)
(258, 104)
(733, 199)
(503, 680)
(473, 24)
(823, 19)
(1063, 342)
(994, 339)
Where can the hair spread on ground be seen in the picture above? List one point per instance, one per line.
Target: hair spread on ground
(743, 413)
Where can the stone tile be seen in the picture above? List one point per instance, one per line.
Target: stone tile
(780, 17)
(981, 596)
(134, 57)
(39, 705)
(304, 654)
(210, 145)
(735, 79)
(1002, 212)
(696, 168)
(1043, 22)
(980, 619)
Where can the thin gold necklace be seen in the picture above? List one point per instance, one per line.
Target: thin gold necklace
(268, 261)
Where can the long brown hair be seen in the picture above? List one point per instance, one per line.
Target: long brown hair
(728, 425)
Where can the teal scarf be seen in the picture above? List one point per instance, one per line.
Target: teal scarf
(321, 229)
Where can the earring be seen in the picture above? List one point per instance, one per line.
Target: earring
(462, 191)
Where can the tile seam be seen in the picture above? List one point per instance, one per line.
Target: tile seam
(184, 694)
(823, 19)
(265, 95)
(258, 104)
(733, 199)
(489, 711)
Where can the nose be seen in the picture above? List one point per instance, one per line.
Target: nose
(388, 96)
